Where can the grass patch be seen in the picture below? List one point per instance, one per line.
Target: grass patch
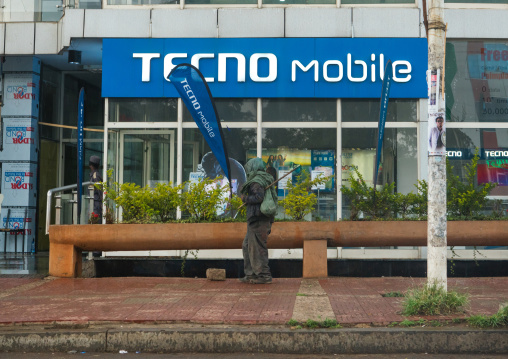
(500, 319)
(393, 295)
(432, 300)
(301, 295)
(315, 324)
(412, 323)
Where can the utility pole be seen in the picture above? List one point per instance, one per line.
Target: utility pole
(436, 224)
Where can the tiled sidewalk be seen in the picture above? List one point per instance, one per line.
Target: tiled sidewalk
(184, 300)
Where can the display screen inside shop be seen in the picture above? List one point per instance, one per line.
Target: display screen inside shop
(313, 163)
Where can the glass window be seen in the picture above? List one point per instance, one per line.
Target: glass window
(143, 109)
(299, 110)
(493, 152)
(49, 108)
(239, 2)
(476, 81)
(363, 2)
(199, 161)
(291, 2)
(141, 2)
(364, 110)
(398, 158)
(477, 1)
(231, 110)
(311, 148)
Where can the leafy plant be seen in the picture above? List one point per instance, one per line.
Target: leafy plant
(369, 201)
(466, 198)
(431, 300)
(202, 199)
(300, 201)
(165, 199)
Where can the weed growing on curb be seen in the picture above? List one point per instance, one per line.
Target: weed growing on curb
(411, 323)
(393, 295)
(432, 300)
(314, 324)
(500, 319)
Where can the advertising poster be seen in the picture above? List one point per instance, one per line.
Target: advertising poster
(19, 139)
(21, 95)
(19, 184)
(361, 160)
(17, 220)
(324, 161)
(437, 134)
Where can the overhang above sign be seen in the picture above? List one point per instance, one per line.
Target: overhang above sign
(267, 67)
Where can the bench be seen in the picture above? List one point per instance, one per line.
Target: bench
(68, 241)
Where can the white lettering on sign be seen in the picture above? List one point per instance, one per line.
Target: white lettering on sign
(169, 65)
(272, 68)
(401, 68)
(222, 66)
(453, 153)
(195, 62)
(496, 153)
(145, 64)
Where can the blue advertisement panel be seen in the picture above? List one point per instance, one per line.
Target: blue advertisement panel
(266, 67)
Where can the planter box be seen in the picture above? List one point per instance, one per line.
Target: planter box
(68, 241)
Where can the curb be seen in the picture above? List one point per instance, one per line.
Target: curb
(255, 340)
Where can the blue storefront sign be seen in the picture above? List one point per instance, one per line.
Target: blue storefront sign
(267, 67)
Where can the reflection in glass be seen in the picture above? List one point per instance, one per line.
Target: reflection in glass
(240, 2)
(476, 81)
(143, 109)
(311, 148)
(291, 2)
(398, 158)
(231, 110)
(199, 161)
(493, 152)
(365, 110)
(299, 110)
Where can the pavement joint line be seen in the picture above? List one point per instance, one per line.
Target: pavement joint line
(24, 287)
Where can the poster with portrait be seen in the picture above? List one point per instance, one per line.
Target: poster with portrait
(437, 134)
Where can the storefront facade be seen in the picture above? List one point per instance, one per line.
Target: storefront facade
(293, 84)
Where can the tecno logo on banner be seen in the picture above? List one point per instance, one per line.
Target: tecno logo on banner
(324, 68)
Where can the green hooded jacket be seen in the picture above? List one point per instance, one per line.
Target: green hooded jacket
(255, 170)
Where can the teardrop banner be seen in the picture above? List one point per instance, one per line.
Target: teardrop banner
(383, 110)
(196, 95)
(81, 123)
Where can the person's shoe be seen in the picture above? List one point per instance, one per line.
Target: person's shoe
(261, 280)
(247, 278)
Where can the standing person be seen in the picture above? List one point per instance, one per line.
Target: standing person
(95, 177)
(436, 142)
(259, 224)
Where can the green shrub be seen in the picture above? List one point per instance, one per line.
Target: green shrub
(432, 300)
(365, 199)
(202, 199)
(466, 199)
(134, 201)
(300, 201)
(165, 199)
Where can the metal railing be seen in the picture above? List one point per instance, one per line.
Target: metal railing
(58, 204)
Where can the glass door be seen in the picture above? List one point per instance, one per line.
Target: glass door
(147, 157)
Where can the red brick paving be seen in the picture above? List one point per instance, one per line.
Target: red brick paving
(139, 299)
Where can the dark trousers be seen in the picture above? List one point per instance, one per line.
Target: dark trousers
(255, 252)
